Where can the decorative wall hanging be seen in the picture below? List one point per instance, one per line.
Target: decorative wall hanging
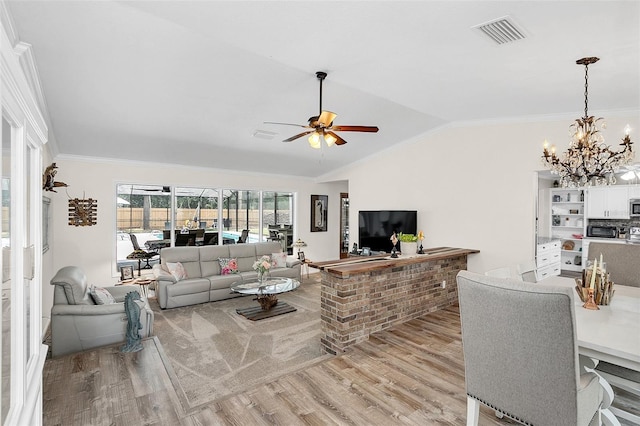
(83, 212)
(48, 179)
(319, 213)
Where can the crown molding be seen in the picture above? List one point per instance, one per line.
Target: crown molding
(17, 98)
(24, 53)
(7, 23)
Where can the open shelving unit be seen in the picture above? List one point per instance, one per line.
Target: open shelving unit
(568, 225)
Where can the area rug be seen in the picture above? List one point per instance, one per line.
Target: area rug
(211, 352)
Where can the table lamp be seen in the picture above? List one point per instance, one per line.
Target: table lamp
(299, 243)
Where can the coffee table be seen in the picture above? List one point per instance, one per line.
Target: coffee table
(265, 292)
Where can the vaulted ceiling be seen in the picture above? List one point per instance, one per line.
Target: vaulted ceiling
(192, 82)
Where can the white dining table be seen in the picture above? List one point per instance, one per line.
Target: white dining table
(612, 333)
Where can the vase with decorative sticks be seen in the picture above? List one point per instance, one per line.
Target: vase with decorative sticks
(595, 286)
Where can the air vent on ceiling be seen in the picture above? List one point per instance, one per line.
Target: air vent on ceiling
(264, 134)
(501, 30)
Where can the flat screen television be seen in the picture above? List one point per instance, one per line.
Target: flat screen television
(375, 227)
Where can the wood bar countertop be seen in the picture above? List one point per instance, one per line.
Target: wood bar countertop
(363, 264)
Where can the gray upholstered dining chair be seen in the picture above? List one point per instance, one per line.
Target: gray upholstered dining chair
(527, 271)
(622, 261)
(521, 355)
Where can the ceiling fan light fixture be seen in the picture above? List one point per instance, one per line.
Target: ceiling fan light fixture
(314, 140)
(330, 139)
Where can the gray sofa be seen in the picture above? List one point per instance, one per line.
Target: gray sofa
(78, 324)
(204, 282)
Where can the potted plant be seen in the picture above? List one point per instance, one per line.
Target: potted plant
(408, 243)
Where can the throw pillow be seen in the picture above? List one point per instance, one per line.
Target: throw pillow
(228, 265)
(177, 270)
(279, 260)
(101, 296)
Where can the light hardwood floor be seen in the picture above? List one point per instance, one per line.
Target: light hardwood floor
(410, 374)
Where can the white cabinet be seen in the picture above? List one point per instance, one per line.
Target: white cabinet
(567, 225)
(608, 202)
(547, 259)
(634, 191)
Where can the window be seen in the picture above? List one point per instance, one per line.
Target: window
(241, 211)
(197, 216)
(277, 218)
(143, 211)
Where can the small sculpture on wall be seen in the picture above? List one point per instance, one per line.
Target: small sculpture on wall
(83, 212)
(48, 179)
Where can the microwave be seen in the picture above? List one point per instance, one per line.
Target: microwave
(595, 231)
(634, 207)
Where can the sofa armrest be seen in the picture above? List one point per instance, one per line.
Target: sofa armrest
(292, 261)
(88, 310)
(119, 292)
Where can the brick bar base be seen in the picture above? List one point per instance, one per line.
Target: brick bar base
(356, 305)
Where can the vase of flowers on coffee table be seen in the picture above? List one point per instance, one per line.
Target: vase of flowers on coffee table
(262, 267)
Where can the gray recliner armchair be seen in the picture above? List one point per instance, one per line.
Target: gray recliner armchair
(78, 324)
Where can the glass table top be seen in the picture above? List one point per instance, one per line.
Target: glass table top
(267, 286)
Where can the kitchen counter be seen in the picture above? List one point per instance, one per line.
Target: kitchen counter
(360, 296)
(547, 240)
(351, 266)
(607, 240)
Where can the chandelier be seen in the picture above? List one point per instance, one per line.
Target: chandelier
(588, 160)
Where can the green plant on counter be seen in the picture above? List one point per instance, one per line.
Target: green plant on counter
(408, 238)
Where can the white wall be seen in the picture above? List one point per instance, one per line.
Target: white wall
(93, 247)
(473, 186)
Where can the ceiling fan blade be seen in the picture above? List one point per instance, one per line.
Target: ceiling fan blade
(326, 118)
(370, 129)
(299, 135)
(339, 140)
(285, 124)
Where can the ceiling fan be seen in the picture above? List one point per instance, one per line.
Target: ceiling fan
(321, 126)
